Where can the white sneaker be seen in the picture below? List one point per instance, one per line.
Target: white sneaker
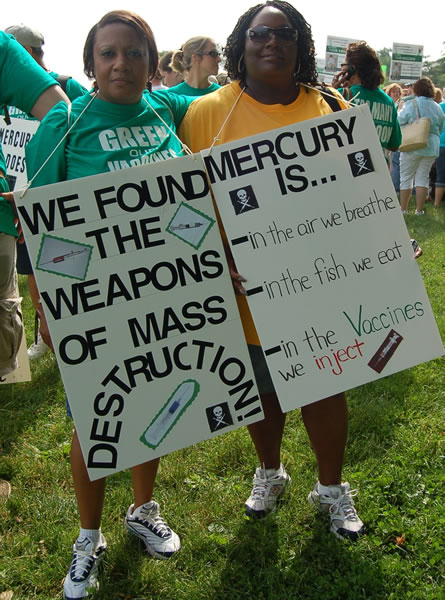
(268, 485)
(345, 522)
(147, 524)
(81, 578)
(37, 350)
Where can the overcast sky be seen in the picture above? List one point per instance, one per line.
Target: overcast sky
(379, 22)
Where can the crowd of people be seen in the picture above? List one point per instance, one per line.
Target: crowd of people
(411, 171)
(270, 81)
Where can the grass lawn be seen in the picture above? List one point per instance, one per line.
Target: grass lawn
(393, 458)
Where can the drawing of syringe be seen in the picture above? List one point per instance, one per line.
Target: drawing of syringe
(186, 226)
(63, 257)
(390, 344)
(170, 413)
(393, 340)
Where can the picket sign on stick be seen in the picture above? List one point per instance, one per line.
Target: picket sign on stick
(315, 226)
(406, 62)
(13, 139)
(141, 310)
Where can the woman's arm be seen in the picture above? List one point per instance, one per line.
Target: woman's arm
(49, 98)
(47, 145)
(406, 115)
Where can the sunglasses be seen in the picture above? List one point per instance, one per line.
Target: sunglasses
(212, 53)
(262, 34)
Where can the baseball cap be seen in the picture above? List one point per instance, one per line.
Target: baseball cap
(26, 36)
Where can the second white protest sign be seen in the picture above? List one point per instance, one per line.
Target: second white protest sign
(315, 226)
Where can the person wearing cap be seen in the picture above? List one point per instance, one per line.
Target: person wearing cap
(25, 84)
(33, 41)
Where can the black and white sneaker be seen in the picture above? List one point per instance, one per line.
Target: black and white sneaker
(146, 523)
(81, 579)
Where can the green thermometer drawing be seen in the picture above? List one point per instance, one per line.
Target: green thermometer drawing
(170, 413)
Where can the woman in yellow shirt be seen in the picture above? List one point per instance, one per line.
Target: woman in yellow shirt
(269, 54)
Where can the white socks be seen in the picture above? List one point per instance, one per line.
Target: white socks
(92, 534)
(325, 490)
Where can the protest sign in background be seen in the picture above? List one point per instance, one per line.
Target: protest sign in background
(141, 310)
(315, 226)
(323, 75)
(14, 138)
(336, 52)
(406, 62)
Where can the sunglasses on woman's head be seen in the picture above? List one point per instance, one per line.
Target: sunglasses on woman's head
(262, 34)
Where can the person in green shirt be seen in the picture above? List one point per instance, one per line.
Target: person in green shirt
(33, 41)
(26, 85)
(121, 124)
(196, 61)
(359, 81)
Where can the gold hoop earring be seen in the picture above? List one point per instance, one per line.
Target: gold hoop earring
(241, 64)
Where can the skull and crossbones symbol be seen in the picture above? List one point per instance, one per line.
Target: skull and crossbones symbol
(218, 415)
(360, 161)
(243, 199)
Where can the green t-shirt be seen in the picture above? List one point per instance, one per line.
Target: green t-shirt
(22, 81)
(73, 90)
(107, 137)
(383, 112)
(184, 89)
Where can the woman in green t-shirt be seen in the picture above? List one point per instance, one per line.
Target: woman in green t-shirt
(121, 55)
(197, 59)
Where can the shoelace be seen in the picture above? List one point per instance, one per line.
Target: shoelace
(150, 516)
(260, 486)
(345, 503)
(81, 565)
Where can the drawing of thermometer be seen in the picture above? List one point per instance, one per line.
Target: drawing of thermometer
(62, 257)
(186, 226)
(170, 413)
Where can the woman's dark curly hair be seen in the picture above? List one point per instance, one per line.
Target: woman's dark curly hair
(124, 17)
(365, 61)
(234, 49)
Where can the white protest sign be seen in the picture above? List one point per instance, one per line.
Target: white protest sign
(13, 139)
(141, 310)
(336, 52)
(315, 226)
(323, 75)
(406, 62)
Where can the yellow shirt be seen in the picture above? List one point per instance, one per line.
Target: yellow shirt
(204, 120)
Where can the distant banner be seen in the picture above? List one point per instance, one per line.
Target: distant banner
(323, 75)
(336, 52)
(14, 138)
(315, 226)
(141, 310)
(406, 63)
